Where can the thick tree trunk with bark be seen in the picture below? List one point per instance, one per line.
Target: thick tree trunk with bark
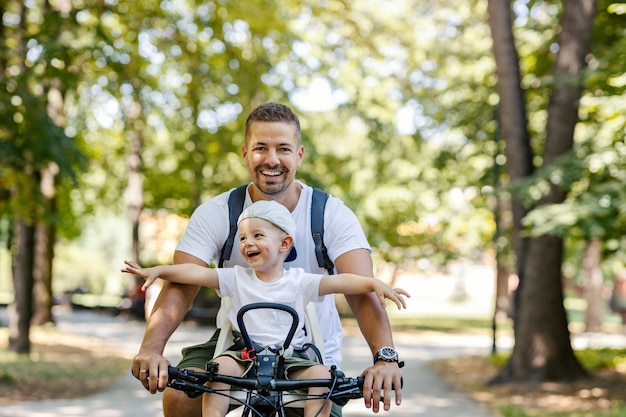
(542, 348)
(512, 111)
(20, 311)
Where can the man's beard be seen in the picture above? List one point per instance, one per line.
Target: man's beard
(272, 188)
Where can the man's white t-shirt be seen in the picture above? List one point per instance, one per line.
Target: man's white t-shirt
(208, 230)
(269, 327)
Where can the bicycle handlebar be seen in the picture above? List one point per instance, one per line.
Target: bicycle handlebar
(192, 382)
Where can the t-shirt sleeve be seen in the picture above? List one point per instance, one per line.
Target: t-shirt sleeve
(342, 231)
(226, 279)
(207, 230)
(310, 287)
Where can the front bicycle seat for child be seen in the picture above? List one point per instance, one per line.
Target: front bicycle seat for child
(313, 348)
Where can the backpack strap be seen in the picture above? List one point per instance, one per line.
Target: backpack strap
(235, 207)
(318, 205)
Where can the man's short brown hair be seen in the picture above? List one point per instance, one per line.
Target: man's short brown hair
(273, 112)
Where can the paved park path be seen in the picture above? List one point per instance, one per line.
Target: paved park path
(424, 393)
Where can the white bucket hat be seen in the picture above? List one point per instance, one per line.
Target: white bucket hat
(273, 212)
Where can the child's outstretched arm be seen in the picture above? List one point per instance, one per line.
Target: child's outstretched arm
(181, 274)
(350, 284)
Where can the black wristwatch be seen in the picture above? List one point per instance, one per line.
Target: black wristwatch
(387, 354)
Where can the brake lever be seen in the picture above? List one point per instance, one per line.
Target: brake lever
(184, 380)
(191, 389)
(341, 396)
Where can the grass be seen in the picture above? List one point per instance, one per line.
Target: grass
(438, 324)
(59, 366)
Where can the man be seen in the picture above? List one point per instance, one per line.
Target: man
(272, 152)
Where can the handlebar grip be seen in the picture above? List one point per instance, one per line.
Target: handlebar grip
(172, 372)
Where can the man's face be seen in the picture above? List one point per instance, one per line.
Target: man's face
(272, 154)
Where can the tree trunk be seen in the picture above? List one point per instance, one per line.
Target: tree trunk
(513, 120)
(20, 311)
(45, 237)
(45, 233)
(593, 282)
(542, 348)
(574, 45)
(42, 274)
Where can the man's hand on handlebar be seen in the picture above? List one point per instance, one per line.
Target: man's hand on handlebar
(379, 380)
(151, 370)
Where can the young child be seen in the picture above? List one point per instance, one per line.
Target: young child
(266, 231)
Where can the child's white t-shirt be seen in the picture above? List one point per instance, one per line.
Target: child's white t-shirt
(269, 327)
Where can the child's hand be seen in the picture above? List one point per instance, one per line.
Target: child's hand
(149, 274)
(394, 294)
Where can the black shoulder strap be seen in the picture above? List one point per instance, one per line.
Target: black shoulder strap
(235, 207)
(318, 205)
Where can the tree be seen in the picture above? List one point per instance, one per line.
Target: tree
(33, 150)
(178, 78)
(592, 217)
(542, 348)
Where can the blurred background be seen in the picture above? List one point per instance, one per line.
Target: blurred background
(118, 118)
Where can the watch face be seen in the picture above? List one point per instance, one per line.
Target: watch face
(388, 353)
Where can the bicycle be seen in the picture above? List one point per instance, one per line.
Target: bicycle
(264, 392)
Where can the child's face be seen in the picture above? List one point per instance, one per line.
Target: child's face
(261, 243)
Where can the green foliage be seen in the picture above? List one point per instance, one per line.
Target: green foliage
(499, 359)
(593, 173)
(420, 79)
(405, 132)
(30, 140)
(598, 359)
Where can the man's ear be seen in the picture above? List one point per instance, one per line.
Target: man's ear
(286, 243)
(300, 155)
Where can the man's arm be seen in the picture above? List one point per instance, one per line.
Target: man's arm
(168, 313)
(375, 327)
